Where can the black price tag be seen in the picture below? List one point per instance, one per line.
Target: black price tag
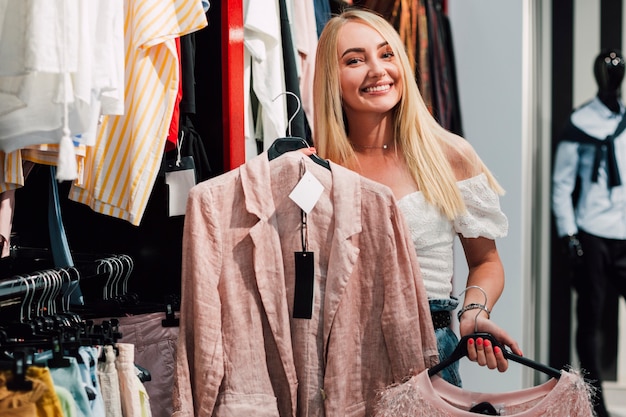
(303, 295)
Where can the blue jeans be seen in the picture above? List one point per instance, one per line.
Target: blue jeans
(447, 340)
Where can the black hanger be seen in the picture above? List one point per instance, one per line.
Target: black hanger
(292, 143)
(461, 351)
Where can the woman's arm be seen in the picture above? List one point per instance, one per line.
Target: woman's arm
(485, 271)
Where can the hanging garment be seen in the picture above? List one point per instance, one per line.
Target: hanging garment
(60, 68)
(21, 403)
(305, 39)
(110, 383)
(70, 378)
(155, 348)
(429, 396)
(263, 76)
(122, 166)
(135, 400)
(369, 324)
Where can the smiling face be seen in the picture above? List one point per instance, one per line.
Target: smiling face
(369, 73)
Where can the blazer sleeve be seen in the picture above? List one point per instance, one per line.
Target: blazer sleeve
(200, 345)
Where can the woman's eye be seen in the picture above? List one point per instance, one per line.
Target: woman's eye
(352, 61)
(388, 54)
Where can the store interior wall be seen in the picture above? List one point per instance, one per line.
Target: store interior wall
(488, 45)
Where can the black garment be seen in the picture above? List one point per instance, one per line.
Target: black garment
(604, 148)
(188, 66)
(292, 83)
(603, 271)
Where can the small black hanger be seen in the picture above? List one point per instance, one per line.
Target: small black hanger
(292, 143)
(461, 351)
(461, 348)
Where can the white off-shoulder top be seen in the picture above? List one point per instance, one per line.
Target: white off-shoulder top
(433, 233)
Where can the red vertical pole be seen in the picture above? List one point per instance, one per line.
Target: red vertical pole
(232, 83)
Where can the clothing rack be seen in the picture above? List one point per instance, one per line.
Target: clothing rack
(114, 270)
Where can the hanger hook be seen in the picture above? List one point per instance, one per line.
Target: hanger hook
(293, 116)
(479, 310)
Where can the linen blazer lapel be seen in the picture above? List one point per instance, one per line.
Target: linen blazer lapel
(268, 262)
(344, 253)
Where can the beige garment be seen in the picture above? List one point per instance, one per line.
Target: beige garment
(135, 401)
(240, 351)
(7, 204)
(109, 383)
(569, 396)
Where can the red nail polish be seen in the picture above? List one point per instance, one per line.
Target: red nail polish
(487, 343)
(479, 341)
(497, 349)
(470, 341)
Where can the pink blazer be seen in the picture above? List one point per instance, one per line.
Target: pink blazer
(240, 352)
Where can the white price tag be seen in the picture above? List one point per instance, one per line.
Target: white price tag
(179, 183)
(307, 192)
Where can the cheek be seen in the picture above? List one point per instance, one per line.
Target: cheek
(349, 88)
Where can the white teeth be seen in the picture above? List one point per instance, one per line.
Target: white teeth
(378, 88)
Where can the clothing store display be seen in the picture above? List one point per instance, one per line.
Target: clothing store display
(600, 205)
(588, 203)
(238, 338)
(114, 185)
(427, 396)
(155, 348)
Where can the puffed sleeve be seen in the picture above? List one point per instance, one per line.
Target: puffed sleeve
(484, 217)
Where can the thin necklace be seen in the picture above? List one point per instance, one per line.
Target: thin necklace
(384, 147)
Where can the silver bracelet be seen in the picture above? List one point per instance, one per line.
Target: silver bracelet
(473, 306)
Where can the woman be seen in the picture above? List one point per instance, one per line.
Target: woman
(370, 117)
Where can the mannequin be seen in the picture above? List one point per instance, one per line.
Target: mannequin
(608, 70)
(589, 165)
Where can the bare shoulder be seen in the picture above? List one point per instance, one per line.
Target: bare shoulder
(462, 156)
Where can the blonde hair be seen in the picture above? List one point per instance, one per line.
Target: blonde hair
(427, 147)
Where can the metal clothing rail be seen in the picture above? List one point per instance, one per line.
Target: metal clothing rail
(57, 282)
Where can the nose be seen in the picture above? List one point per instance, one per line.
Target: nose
(377, 69)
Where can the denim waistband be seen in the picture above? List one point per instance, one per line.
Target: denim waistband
(443, 304)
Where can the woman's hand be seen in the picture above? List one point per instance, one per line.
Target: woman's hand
(481, 350)
(308, 151)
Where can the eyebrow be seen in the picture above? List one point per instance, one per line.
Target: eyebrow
(347, 51)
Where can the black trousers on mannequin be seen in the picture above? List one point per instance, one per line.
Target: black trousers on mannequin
(603, 269)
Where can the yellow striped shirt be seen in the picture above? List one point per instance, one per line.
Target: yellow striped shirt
(120, 170)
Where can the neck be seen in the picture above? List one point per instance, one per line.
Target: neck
(383, 147)
(610, 99)
(370, 130)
